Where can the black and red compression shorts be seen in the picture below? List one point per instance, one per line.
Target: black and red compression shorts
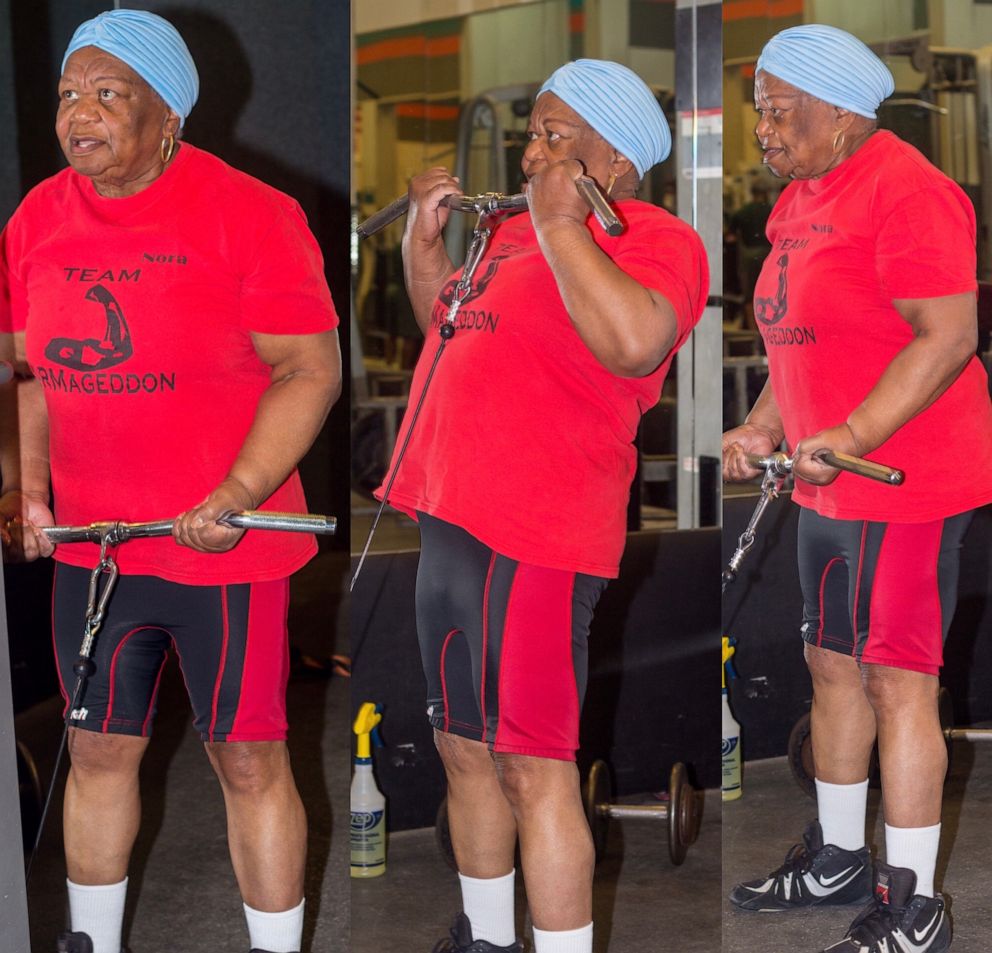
(504, 644)
(883, 593)
(231, 641)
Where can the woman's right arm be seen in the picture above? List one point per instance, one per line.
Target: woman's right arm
(761, 433)
(426, 265)
(24, 497)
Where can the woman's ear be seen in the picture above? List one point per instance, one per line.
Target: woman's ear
(844, 118)
(171, 125)
(621, 165)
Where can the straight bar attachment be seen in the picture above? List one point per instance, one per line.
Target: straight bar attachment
(492, 202)
(119, 532)
(783, 464)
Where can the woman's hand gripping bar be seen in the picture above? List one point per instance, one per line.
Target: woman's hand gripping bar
(494, 202)
(781, 464)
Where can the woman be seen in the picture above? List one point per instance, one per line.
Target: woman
(519, 471)
(176, 339)
(867, 308)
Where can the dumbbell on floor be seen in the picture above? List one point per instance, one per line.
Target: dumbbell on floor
(681, 813)
(800, 746)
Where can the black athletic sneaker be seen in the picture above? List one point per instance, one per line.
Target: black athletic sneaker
(897, 920)
(813, 874)
(461, 941)
(76, 943)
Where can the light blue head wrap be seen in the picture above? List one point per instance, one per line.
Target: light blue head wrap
(151, 46)
(829, 64)
(617, 103)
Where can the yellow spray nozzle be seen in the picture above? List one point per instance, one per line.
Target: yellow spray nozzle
(728, 654)
(365, 721)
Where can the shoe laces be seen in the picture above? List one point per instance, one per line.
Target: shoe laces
(448, 945)
(798, 860)
(876, 922)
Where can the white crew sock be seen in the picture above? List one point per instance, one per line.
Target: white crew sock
(915, 848)
(563, 941)
(488, 904)
(842, 809)
(98, 911)
(276, 932)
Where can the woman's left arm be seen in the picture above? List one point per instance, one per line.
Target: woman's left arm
(305, 382)
(629, 328)
(945, 337)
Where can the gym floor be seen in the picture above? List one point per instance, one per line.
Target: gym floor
(182, 893)
(760, 827)
(638, 895)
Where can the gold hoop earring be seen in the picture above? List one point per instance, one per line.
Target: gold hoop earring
(838, 145)
(611, 183)
(168, 149)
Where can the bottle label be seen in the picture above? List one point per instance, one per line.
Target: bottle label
(731, 764)
(368, 838)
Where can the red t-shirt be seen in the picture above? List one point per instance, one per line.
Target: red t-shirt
(884, 225)
(525, 439)
(138, 313)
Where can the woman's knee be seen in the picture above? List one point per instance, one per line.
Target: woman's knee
(832, 671)
(527, 780)
(462, 757)
(96, 754)
(249, 767)
(899, 693)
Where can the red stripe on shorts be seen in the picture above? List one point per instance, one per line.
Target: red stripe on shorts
(823, 585)
(485, 645)
(444, 681)
(538, 698)
(221, 662)
(261, 714)
(105, 727)
(905, 625)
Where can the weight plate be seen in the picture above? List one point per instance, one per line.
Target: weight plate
(683, 814)
(596, 792)
(945, 709)
(800, 753)
(442, 836)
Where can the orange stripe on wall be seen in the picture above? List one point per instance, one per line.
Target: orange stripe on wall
(426, 111)
(408, 46)
(391, 49)
(577, 22)
(768, 9)
(443, 46)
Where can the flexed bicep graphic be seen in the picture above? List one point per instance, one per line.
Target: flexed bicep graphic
(772, 310)
(95, 354)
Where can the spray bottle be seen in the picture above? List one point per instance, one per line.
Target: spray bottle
(731, 747)
(368, 806)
